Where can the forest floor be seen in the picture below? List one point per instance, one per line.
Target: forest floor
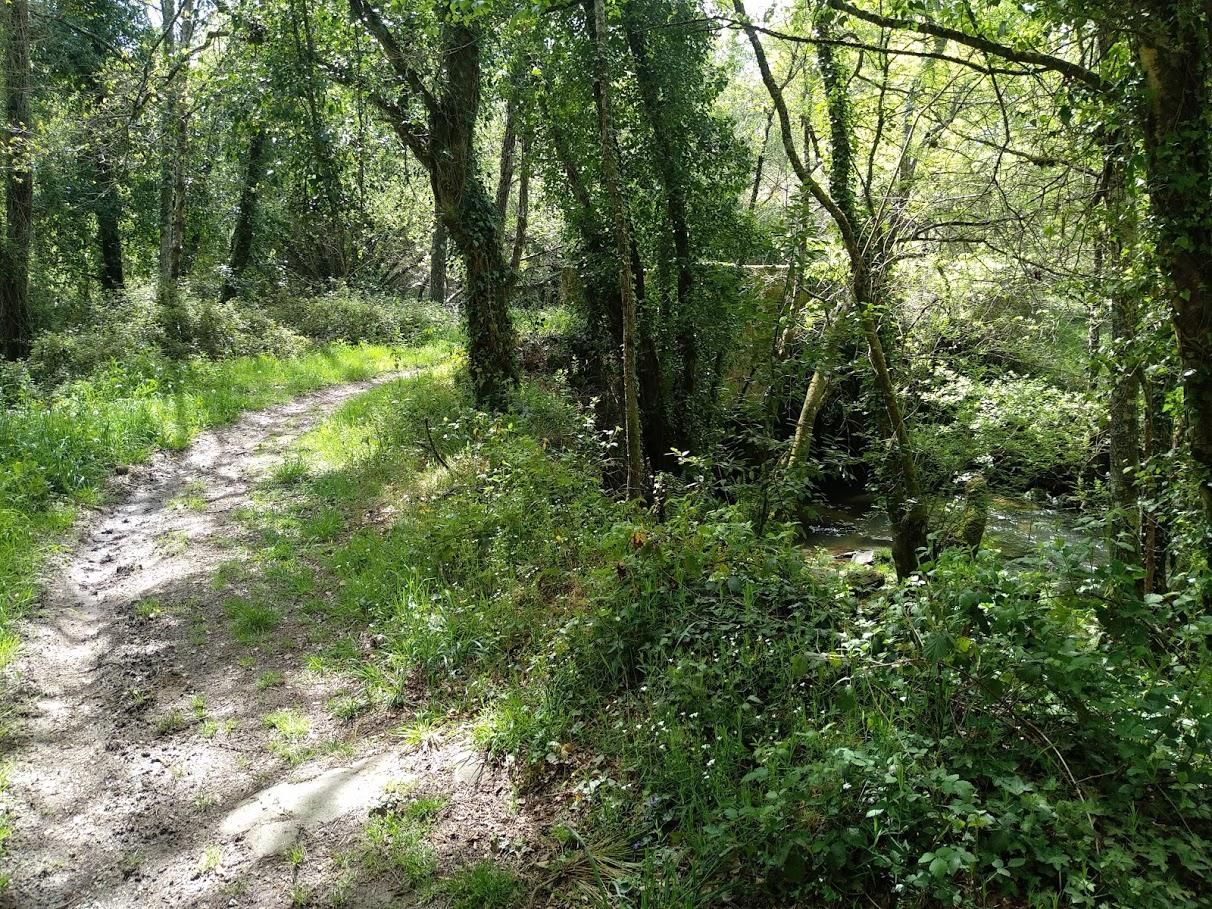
(172, 746)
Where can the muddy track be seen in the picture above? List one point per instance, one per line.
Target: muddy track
(141, 772)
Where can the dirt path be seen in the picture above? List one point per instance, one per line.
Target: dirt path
(143, 771)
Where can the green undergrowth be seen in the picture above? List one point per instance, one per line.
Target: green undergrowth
(58, 447)
(729, 723)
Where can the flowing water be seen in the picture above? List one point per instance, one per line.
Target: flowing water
(1016, 526)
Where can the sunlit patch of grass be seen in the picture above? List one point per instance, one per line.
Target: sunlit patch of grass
(325, 524)
(139, 698)
(290, 727)
(397, 843)
(287, 722)
(211, 728)
(484, 885)
(10, 644)
(425, 808)
(270, 678)
(290, 577)
(149, 609)
(422, 730)
(229, 573)
(190, 498)
(347, 707)
(250, 622)
(211, 860)
(173, 721)
(291, 472)
(174, 543)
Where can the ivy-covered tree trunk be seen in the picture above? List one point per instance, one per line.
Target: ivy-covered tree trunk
(612, 180)
(1117, 246)
(471, 219)
(107, 209)
(1175, 58)
(603, 289)
(438, 243)
(818, 389)
(667, 159)
(523, 209)
(15, 322)
(445, 145)
(246, 215)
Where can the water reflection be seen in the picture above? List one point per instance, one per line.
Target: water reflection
(856, 523)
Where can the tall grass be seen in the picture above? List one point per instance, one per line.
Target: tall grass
(57, 449)
(727, 722)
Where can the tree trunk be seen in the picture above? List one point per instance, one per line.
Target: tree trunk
(509, 142)
(15, 321)
(672, 173)
(761, 162)
(818, 389)
(905, 500)
(649, 376)
(174, 148)
(1159, 431)
(1118, 247)
(519, 234)
(246, 216)
(323, 189)
(471, 220)
(612, 180)
(1179, 160)
(108, 212)
(437, 261)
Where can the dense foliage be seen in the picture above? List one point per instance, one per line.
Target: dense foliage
(721, 273)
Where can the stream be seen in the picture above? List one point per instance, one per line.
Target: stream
(858, 522)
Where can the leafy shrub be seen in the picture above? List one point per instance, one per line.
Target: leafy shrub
(977, 737)
(1030, 432)
(232, 329)
(352, 317)
(122, 328)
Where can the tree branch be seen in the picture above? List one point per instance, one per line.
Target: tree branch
(1066, 68)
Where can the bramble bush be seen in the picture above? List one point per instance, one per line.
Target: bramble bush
(984, 734)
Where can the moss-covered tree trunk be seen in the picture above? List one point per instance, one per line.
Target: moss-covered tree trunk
(15, 322)
(523, 209)
(471, 218)
(107, 209)
(667, 159)
(246, 215)
(1118, 246)
(445, 145)
(612, 180)
(438, 243)
(1174, 56)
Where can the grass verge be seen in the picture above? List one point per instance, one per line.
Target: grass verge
(728, 722)
(56, 450)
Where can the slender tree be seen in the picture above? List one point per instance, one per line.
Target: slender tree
(15, 322)
(444, 142)
(866, 241)
(612, 181)
(246, 214)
